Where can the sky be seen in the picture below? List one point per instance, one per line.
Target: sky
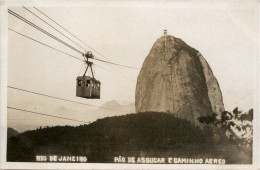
(225, 33)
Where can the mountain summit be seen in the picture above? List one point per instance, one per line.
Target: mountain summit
(175, 78)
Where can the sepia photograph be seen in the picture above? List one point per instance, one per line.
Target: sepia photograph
(129, 84)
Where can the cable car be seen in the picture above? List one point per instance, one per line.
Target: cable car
(87, 86)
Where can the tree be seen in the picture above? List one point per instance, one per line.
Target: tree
(238, 125)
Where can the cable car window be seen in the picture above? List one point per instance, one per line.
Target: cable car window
(88, 83)
(79, 82)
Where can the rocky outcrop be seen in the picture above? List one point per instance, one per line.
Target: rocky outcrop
(214, 92)
(175, 78)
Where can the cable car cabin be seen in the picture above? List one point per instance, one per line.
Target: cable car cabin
(88, 87)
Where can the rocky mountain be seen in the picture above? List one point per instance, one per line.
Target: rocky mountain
(175, 78)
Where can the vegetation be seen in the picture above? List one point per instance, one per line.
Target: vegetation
(149, 134)
(237, 125)
(11, 132)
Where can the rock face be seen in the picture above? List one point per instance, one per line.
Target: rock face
(175, 78)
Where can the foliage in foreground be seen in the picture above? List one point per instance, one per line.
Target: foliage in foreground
(238, 125)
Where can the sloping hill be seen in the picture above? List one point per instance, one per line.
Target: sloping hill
(143, 134)
(11, 132)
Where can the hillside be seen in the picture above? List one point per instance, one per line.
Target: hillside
(11, 132)
(144, 134)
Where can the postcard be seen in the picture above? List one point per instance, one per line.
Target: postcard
(129, 84)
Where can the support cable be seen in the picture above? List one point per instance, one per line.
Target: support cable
(42, 30)
(59, 98)
(53, 27)
(108, 62)
(45, 45)
(44, 114)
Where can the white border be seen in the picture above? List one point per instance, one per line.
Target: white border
(123, 4)
(3, 81)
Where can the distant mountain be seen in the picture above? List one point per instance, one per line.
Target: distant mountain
(150, 134)
(125, 102)
(11, 132)
(115, 105)
(111, 104)
(87, 114)
(113, 108)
